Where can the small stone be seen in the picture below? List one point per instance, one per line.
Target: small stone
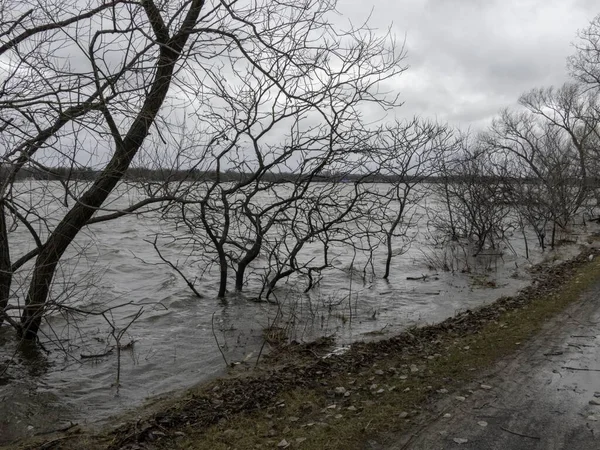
(351, 408)
(310, 424)
(414, 368)
(283, 444)
(373, 387)
(403, 377)
(443, 433)
(340, 390)
(379, 372)
(592, 418)
(331, 406)
(487, 387)
(460, 440)
(482, 423)
(447, 415)
(380, 391)
(595, 402)
(442, 391)
(407, 390)
(179, 433)
(293, 419)
(300, 440)
(403, 415)
(460, 398)
(338, 416)
(466, 347)
(597, 394)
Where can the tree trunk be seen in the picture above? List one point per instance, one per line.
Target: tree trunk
(246, 260)
(125, 150)
(5, 266)
(223, 274)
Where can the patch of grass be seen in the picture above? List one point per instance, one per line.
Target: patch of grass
(376, 388)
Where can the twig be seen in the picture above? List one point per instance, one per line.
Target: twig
(174, 267)
(212, 324)
(519, 434)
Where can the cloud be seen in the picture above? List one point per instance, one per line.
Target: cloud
(470, 58)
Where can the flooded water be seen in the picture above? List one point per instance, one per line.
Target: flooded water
(175, 341)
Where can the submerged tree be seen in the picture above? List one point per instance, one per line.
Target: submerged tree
(407, 154)
(100, 84)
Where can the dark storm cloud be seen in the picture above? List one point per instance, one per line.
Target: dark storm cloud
(470, 58)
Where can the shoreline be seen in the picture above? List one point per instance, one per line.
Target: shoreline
(298, 399)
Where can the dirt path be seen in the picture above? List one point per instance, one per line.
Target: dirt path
(546, 397)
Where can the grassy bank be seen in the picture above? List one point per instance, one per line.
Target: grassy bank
(301, 400)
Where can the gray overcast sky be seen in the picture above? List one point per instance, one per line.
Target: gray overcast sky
(470, 58)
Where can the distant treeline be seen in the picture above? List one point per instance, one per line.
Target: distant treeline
(164, 175)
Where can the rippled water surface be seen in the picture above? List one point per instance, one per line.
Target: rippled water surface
(175, 338)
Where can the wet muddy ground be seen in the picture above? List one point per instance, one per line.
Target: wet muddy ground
(546, 397)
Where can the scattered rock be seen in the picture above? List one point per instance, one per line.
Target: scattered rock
(380, 391)
(482, 423)
(403, 415)
(460, 398)
(460, 440)
(379, 372)
(592, 418)
(442, 391)
(414, 368)
(300, 440)
(447, 415)
(293, 419)
(351, 408)
(487, 387)
(340, 390)
(283, 444)
(595, 402)
(331, 406)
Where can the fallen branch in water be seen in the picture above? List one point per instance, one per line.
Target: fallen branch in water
(97, 355)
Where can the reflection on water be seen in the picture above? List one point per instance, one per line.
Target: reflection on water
(174, 343)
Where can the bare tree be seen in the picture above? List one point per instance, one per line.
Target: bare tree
(406, 154)
(585, 63)
(100, 84)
